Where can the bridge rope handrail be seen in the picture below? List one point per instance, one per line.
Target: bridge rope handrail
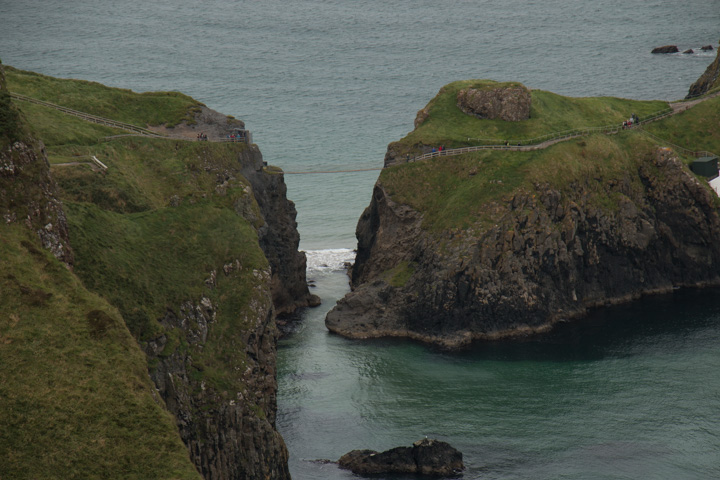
(88, 117)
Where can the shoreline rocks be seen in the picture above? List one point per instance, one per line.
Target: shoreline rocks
(425, 457)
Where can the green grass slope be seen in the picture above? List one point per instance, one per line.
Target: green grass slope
(151, 108)
(75, 398)
(447, 125)
(695, 129)
(469, 191)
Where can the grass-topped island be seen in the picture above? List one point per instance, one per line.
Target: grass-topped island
(508, 240)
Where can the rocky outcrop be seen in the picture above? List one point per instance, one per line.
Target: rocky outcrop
(666, 49)
(551, 256)
(509, 103)
(28, 193)
(425, 457)
(278, 235)
(707, 81)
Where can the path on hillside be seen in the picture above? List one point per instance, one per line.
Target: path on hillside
(675, 108)
(88, 117)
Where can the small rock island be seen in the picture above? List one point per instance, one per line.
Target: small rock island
(425, 457)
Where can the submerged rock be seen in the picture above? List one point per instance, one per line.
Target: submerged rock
(425, 457)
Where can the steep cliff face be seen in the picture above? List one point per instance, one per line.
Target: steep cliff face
(708, 80)
(28, 195)
(230, 435)
(76, 399)
(278, 235)
(552, 254)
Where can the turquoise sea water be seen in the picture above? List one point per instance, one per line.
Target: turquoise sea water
(325, 85)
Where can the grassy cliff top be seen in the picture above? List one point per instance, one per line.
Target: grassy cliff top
(447, 125)
(147, 234)
(141, 109)
(469, 191)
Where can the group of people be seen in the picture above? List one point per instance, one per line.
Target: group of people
(633, 120)
(438, 149)
(202, 137)
(233, 137)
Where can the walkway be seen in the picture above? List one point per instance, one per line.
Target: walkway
(89, 118)
(545, 141)
(538, 143)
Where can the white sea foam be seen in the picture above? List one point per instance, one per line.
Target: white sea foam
(334, 259)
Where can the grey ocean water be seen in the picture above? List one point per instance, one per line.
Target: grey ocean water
(633, 393)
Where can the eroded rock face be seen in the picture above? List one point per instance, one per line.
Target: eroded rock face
(28, 194)
(511, 103)
(707, 80)
(551, 256)
(425, 457)
(278, 236)
(227, 436)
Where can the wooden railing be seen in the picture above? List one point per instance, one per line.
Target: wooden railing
(87, 117)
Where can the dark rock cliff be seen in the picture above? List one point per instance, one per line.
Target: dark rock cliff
(552, 256)
(229, 437)
(708, 80)
(278, 236)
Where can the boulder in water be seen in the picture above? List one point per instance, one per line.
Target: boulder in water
(707, 48)
(689, 50)
(666, 49)
(425, 457)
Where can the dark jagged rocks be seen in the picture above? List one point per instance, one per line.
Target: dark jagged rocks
(551, 257)
(425, 457)
(226, 437)
(278, 236)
